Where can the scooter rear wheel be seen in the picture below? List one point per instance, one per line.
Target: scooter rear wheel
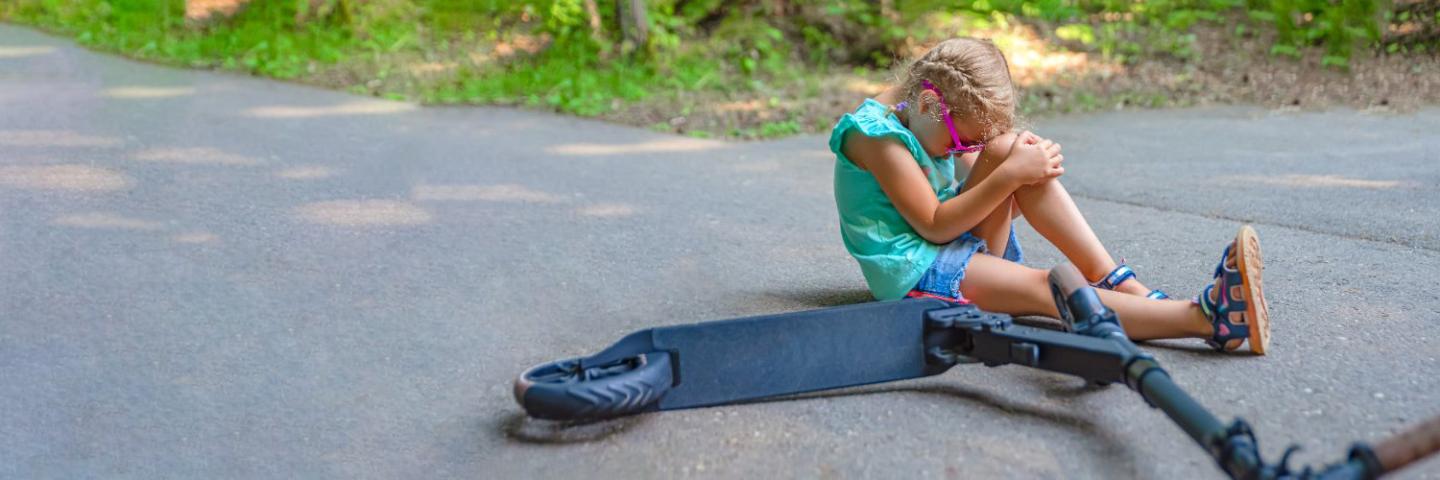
(563, 391)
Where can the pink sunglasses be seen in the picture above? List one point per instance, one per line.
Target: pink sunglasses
(960, 147)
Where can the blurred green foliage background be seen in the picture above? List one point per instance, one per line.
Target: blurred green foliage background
(590, 57)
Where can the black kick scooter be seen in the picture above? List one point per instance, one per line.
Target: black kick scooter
(726, 361)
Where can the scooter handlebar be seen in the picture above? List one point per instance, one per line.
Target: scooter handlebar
(1409, 446)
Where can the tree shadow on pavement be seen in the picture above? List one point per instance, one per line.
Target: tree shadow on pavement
(518, 427)
(1073, 388)
(1188, 347)
(1114, 454)
(823, 297)
(829, 297)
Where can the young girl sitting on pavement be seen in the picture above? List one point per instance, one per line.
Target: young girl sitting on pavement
(929, 173)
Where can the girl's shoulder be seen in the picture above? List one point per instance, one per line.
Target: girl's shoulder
(873, 120)
(874, 110)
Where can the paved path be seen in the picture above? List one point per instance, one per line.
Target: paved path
(205, 275)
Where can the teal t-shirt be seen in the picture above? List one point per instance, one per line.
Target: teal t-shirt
(891, 254)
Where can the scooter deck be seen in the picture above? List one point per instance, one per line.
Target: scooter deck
(755, 357)
(730, 361)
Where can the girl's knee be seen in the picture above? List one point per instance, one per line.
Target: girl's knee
(1039, 280)
(1042, 185)
(997, 276)
(995, 152)
(998, 148)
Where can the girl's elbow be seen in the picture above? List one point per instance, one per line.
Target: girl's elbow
(934, 235)
(937, 231)
(930, 238)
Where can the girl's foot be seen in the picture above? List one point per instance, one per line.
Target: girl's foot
(1123, 275)
(1235, 303)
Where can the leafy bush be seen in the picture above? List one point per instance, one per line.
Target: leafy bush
(588, 62)
(1124, 29)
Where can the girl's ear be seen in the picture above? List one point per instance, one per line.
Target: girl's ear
(927, 101)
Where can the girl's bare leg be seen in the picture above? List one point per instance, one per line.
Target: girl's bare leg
(999, 285)
(1050, 210)
(995, 228)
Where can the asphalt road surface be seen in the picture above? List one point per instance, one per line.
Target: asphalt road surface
(211, 276)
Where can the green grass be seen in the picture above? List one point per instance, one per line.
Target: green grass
(1123, 29)
(265, 41)
(574, 82)
(745, 52)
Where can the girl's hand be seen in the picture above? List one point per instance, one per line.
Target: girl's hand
(1032, 160)
(1052, 150)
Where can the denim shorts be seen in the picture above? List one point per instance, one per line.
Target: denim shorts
(943, 278)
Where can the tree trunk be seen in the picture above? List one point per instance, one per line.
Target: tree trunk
(634, 27)
(887, 10)
(593, 12)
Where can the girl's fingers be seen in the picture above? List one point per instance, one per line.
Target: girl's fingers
(1052, 150)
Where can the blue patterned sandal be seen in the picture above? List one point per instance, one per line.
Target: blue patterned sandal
(1119, 275)
(1235, 303)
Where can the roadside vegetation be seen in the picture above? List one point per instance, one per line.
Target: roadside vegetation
(768, 68)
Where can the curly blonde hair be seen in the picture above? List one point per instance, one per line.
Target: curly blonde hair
(974, 78)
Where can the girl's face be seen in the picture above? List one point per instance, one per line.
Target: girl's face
(937, 138)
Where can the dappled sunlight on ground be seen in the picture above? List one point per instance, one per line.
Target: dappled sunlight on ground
(511, 193)
(667, 145)
(421, 69)
(363, 213)
(194, 156)
(863, 87)
(755, 167)
(63, 177)
(607, 210)
(1033, 60)
(1314, 181)
(506, 48)
(740, 106)
(484, 193)
(105, 220)
(24, 51)
(196, 238)
(147, 92)
(53, 138)
(198, 10)
(362, 107)
(306, 172)
(1030, 66)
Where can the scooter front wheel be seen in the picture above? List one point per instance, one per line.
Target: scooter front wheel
(564, 391)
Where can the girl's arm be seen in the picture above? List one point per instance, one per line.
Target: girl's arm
(895, 170)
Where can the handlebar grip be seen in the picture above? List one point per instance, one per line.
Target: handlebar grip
(1067, 278)
(1075, 300)
(1408, 446)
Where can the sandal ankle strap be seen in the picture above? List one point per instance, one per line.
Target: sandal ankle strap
(1116, 277)
(1216, 340)
(1219, 310)
(1220, 268)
